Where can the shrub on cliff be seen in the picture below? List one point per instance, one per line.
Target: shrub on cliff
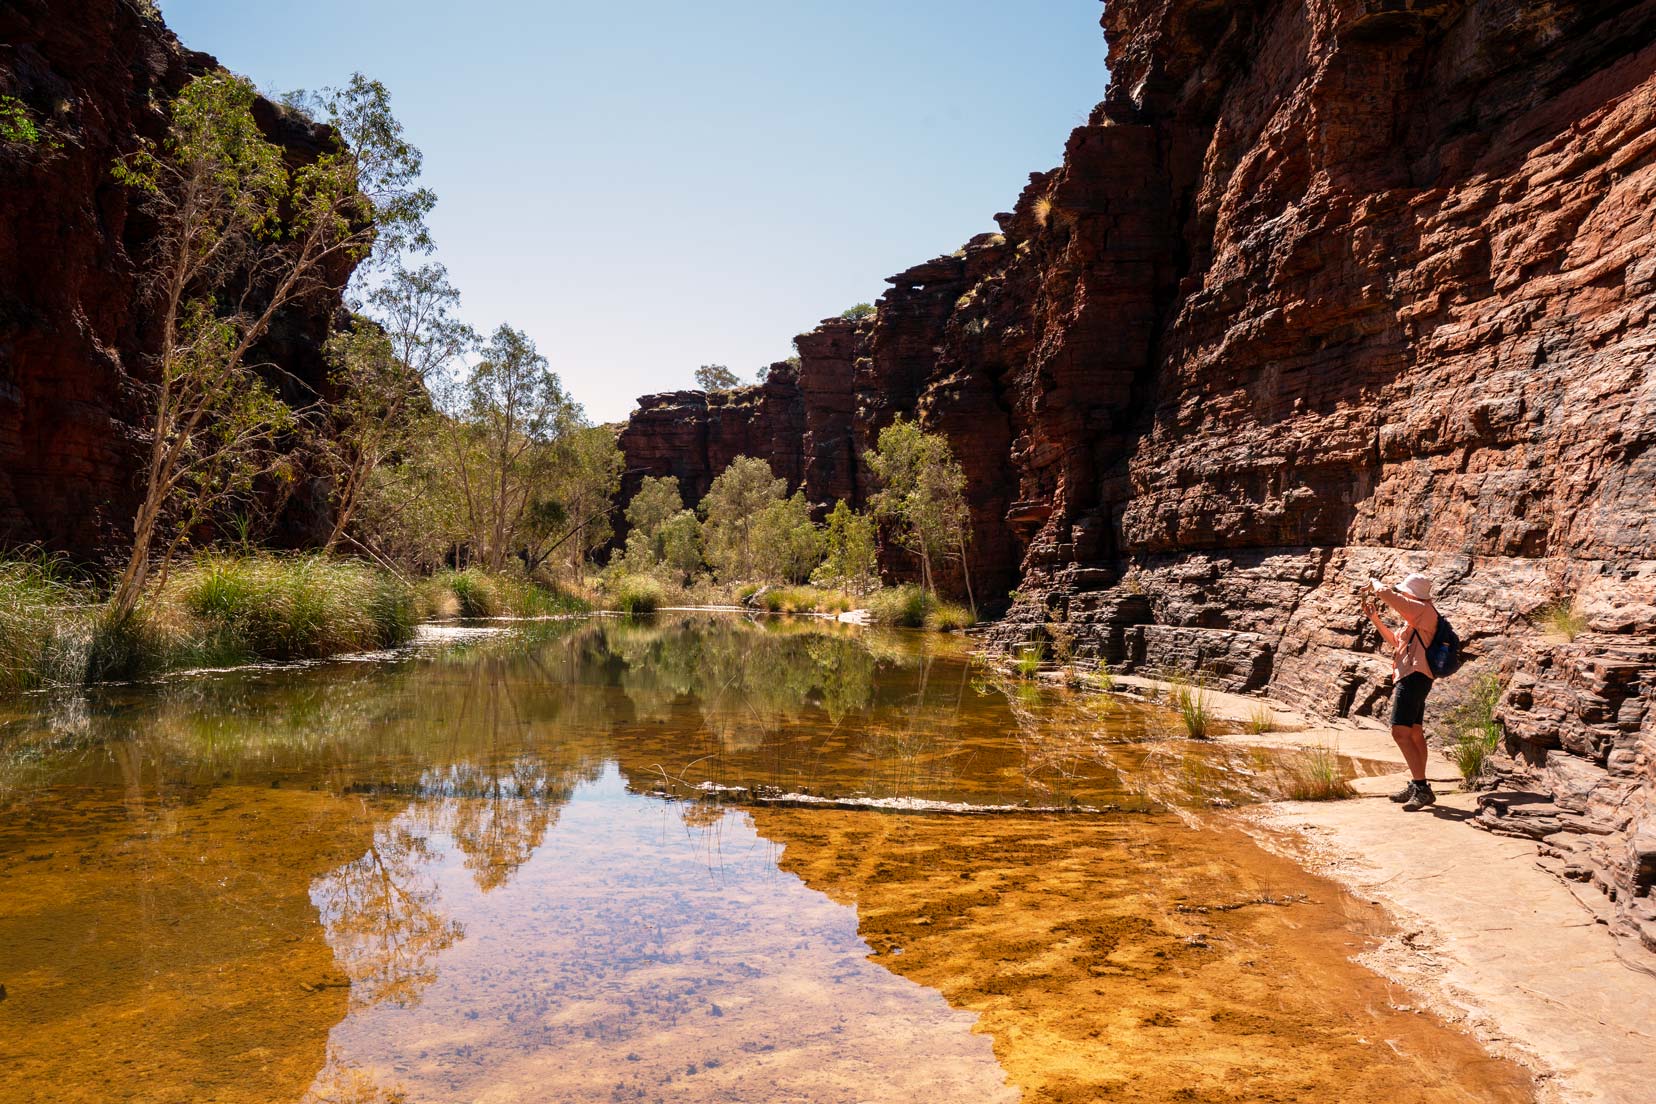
(716, 377)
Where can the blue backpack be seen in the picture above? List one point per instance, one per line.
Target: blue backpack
(1443, 654)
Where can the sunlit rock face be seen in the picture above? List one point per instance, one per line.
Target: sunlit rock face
(75, 331)
(1321, 290)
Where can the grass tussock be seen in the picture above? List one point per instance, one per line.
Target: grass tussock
(1562, 620)
(636, 594)
(1027, 663)
(903, 606)
(43, 626)
(1194, 706)
(215, 610)
(1313, 774)
(804, 599)
(280, 607)
(477, 593)
(950, 617)
(1260, 720)
(1473, 733)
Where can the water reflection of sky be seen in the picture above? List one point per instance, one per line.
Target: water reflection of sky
(635, 952)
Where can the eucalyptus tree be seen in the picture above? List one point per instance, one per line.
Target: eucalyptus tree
(504, 414)
(922, 496)
(732, 509)
(240, 236)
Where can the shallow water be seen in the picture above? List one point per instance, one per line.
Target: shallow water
(602, 860)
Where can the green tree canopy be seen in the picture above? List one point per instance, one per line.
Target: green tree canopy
(922, 494)
(716, 377)
(849, 551)
(657, 500)
(733, 504)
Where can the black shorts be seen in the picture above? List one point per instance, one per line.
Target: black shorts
(1409, 699)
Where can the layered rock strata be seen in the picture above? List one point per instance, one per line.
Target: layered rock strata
(75, 338)
(1321, 290)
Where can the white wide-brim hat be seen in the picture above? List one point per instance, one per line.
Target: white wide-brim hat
(1417, 586)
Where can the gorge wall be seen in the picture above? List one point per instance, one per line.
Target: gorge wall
(75, 337)
(1321, 290)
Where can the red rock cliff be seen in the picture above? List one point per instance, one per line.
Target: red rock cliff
(1322, 289)
(73, 332)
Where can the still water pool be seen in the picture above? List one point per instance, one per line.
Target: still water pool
(689, 858)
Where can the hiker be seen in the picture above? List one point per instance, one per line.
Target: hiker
(1411, 675)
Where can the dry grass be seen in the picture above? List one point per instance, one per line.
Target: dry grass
(1313, 774)
(1562, 620)
(949, 617)
(1042, 210)
(1260, 721)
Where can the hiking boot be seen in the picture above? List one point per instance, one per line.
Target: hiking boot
(1422, 797)
(1404, 794)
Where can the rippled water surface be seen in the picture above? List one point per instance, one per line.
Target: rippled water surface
(686, 859)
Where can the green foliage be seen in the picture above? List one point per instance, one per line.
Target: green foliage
(476, 593)
(1027, 662)
(636, 594)
(1311, 774)
(680, 538)
(904, 606)
(1473, 733)
(657, 500)
(1191, 700)
(804, 599)
(848, 552)
(1562, 619)
(294, 607)
(42, 625)
(17, 124)
(950, 617)
(506, 413)
(786, 544)
(858, 312)
(242, 236)
(922, 493)
(716, 377)
(732, 507)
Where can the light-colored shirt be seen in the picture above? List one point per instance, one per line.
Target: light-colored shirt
(1409, 646)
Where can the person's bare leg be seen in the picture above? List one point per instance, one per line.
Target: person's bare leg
(1411, 741)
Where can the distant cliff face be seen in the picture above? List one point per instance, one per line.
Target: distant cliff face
(74, 332)
(1322, 289)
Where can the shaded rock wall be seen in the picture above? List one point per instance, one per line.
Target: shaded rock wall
(1321, 290)
(74, 334)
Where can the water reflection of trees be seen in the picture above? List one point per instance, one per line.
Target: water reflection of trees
(384, 918)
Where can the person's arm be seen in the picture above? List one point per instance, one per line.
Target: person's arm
(1408, 607)
(1374, 615)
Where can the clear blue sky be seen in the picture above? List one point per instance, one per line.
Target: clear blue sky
(650, 185)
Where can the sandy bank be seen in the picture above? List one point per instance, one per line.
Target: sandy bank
(1488, 938)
